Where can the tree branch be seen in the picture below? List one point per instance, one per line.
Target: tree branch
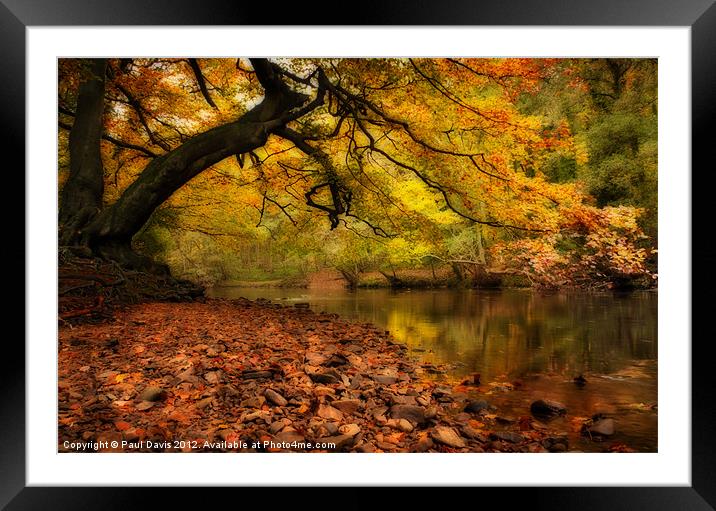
(139, 110)
(201, 81)
(115, 141)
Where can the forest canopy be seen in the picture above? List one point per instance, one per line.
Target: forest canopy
(543, 171)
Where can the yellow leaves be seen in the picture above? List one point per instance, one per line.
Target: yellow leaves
(581, 152)
(121, 377)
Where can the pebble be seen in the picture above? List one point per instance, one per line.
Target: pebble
(340, 441)
(327, 377)
(349, 406)
(507, 436)
(152, 393)
(256, 375)
(349, 429)
(275, 397)
(204, 403)
(385, 379)
(423, 445)
(328, 412)
(400, 424)
(471, 432)
(414, 414)
(448, 436)
(289, 436)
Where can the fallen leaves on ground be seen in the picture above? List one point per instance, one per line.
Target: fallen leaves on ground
(220, 375)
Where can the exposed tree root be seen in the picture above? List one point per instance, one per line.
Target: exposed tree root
(90, 288)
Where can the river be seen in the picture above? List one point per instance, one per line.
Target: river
(525, 345)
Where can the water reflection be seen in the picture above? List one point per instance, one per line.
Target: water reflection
(499, 333)
(544, 340)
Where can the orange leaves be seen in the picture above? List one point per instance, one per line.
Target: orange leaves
(588, 245)
(122, 425)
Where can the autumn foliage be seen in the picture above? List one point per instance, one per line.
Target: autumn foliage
(487, 161)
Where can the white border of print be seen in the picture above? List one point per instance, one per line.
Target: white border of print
(670, 466)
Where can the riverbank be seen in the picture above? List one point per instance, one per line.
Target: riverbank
(421, 278)
(245, 376)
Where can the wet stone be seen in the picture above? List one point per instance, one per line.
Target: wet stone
(603, 427)
(545, 408)
(477, 406)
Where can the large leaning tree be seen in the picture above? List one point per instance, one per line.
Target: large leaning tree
(332, 128)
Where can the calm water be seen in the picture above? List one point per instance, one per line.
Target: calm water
(540, 341)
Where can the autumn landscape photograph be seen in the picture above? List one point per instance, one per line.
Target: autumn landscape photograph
(357, 255)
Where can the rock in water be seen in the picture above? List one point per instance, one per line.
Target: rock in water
(448, 436)
(545, 408)
(603, 427)
(275, 397)
(477, 406)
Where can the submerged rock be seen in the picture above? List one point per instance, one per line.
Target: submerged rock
(602, 427)
(477, 406)
(545, 408)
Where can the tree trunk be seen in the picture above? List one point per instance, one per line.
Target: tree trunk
(81, 197)
(109, 232)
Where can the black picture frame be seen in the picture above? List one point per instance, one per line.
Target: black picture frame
(700, 15)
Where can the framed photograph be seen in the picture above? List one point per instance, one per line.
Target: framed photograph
(435, 247)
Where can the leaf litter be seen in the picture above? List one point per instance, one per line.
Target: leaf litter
(254, 376)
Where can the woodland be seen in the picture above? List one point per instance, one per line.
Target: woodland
(543, 171)
(180, 174)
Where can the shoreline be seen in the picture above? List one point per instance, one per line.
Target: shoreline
(171, 376)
